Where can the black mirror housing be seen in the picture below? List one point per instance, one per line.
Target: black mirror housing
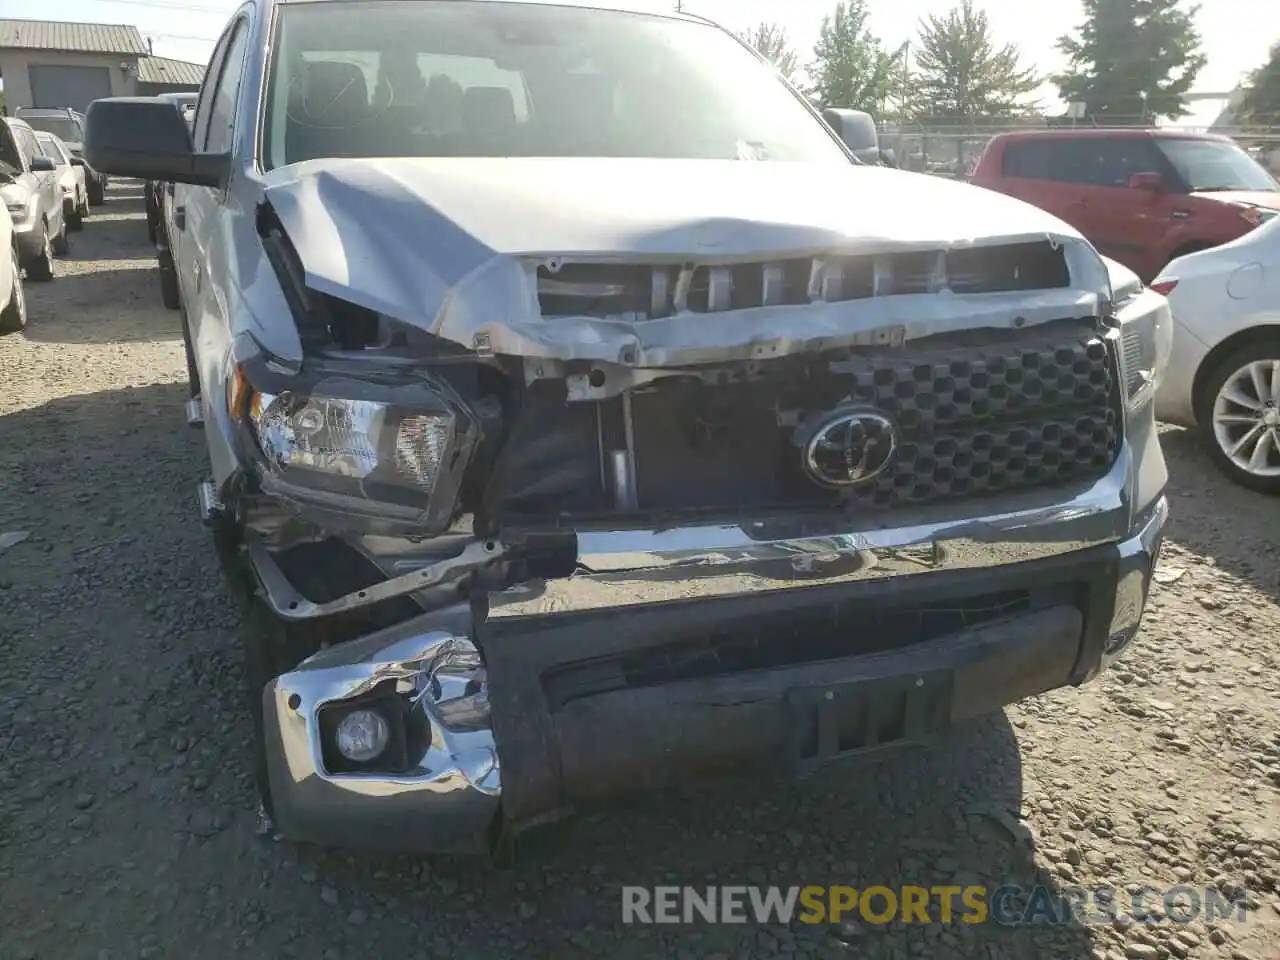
(146, 138)
(42, 165)
(77, 161)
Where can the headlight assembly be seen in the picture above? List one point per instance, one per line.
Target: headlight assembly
(1146, 340)
(397, 450)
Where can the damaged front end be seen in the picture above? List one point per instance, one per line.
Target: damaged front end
(646, 459)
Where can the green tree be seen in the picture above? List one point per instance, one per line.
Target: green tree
(851, 67)
(1132, 59)
(962, 75)
(1261, 104)
(772, 43)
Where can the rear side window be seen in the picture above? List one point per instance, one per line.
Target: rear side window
(1089, 161)
(1027, 159)
(1107, 163)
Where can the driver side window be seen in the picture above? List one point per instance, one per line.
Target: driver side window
(208, 89)
(222, 109)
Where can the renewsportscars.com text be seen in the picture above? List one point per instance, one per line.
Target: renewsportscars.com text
(1007, 905)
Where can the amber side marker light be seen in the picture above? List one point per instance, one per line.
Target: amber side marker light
(238, 392)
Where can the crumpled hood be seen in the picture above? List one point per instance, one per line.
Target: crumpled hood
(447, 243)
(1269, 199)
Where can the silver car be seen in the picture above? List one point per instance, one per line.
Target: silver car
(583, 417)
(29, 186)
(68, 125)
(71, 179)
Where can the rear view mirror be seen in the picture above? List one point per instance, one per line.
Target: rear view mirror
(145, 137)
(42, 165)
(1149, 181)
(77, 161)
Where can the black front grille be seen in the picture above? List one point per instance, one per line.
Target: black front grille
(978, 413)
(985, 419)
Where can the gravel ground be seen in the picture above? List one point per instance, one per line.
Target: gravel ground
(127, 824)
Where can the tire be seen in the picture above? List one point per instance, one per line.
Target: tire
(75, 219)
(270, 645)
(169, 293)
(40, 267)
(14, 317)
(60, 245)
(1228, 441)
(97, 193)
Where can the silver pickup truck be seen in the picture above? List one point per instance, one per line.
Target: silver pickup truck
(584, 418)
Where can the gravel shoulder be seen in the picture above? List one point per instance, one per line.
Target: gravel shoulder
(127, 816)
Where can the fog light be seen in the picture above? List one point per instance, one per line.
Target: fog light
(362, 735)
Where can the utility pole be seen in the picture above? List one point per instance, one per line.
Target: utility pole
(905, 94)
(679, 6)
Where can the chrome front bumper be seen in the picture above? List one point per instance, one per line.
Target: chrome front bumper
(450, 797)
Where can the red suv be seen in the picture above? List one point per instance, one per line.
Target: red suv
(1142, 197)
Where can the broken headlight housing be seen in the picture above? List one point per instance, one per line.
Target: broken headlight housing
(394, 449)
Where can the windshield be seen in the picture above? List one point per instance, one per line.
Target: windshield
(62, 127)
(1213, 165)
(478, 79)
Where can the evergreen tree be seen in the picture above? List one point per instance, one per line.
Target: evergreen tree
(851, 67)
(963, 75)
(1261, 104)
(1132, 59)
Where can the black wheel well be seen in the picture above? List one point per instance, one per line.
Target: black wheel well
(1250, 335)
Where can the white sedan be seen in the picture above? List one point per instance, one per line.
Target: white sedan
(13, 305)
(71, 178)
(1223, 376)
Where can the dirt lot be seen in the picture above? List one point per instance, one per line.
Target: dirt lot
(127, 819)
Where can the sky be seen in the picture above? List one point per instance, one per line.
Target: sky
(1237, 35)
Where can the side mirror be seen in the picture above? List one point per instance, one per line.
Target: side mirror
(1151, 182)
(77, 161)
(144, 137)
(42, 164)
(856, 128)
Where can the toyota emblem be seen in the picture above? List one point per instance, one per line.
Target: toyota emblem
(850, 447)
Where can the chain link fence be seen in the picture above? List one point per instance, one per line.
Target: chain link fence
(952, 150)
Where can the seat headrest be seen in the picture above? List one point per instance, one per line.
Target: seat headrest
(489, 108)
(335, 91)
